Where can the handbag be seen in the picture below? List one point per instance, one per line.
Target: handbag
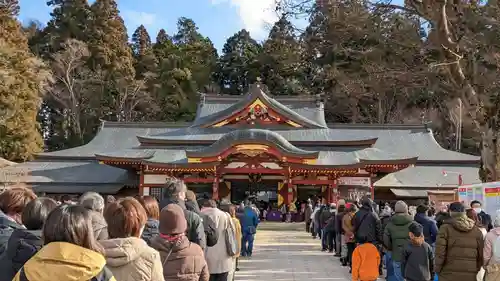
(231, 244)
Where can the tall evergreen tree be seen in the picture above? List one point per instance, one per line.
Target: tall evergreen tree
(111, 55)
(24, 78)
(109, 41)
(198, 53)
(143, 52)
(69, 20)
(280, 61)
(238, 66)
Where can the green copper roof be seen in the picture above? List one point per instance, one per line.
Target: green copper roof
(249, 136)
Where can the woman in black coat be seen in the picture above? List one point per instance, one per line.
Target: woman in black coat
(24, 243)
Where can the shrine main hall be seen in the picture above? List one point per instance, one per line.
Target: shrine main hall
(249, 144)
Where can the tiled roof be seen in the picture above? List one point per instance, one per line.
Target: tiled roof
(251, 136)
(66, 172)
(309, 107)
(256, 92)
(430, 177)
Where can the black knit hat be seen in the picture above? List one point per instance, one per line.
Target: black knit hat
(457, 207)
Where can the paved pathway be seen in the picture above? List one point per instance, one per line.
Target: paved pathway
(285, 252)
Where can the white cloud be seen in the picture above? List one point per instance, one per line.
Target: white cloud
(256, 15)
(137, 18)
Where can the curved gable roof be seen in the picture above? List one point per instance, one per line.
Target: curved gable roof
(252, 136)
(256, 92)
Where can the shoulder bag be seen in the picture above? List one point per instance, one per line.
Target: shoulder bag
(230, 235)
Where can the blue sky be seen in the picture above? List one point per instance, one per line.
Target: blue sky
(217, 19)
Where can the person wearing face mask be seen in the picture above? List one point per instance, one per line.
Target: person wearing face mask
(483, 217)
(12, 203)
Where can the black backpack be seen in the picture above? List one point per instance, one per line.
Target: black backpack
(210, 231)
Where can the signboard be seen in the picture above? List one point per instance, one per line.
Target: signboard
(487, 193)
(357, 181)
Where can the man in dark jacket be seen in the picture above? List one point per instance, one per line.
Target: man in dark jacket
(211, 234)
(367, 224)
(175, 193)
(324, 217)
(429, 225)
(307, 214)
(7, 227)
(483, 217)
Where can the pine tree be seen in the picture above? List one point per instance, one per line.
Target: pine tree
(70, 20)
(280, 60)
(238, 67)
(162, 37)
(109, 41)
(24, 78)
(198, 53)
(143, 52)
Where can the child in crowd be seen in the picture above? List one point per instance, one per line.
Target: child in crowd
(418, 259)
(365, 261)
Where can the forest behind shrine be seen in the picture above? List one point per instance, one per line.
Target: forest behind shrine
(371, 62)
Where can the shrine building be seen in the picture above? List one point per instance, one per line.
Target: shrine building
(249, 144)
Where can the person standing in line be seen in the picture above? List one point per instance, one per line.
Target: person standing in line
(231, 209)
(151, 229)
(314, 232)
(249, 222)
(348, 241)
(94, 202)
(491, 252)
(174, 192)
(324, 216)
(24, 243)
(307, 214)
(365, 261)
(338, 227)
(70, 250)
(471, 214)
(429, 225)
(396, 235)
(181, 259)
(483, 217)
(459, 247)
(220, 264)
(367, 223)
(128, 256)
(12, 203)
(417, 262)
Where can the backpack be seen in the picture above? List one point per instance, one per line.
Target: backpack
(496, 249)
(210, 231)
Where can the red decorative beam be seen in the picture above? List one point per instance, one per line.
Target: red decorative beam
(313, 182)
(251, 171)
(197, 180)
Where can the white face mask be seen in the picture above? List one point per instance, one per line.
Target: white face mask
(477, 210)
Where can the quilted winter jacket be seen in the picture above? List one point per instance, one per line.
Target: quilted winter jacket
(186, 261)
(131, 259)
(459, 250)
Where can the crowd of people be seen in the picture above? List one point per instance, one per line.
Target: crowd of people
(132, 238)
(415, 244)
